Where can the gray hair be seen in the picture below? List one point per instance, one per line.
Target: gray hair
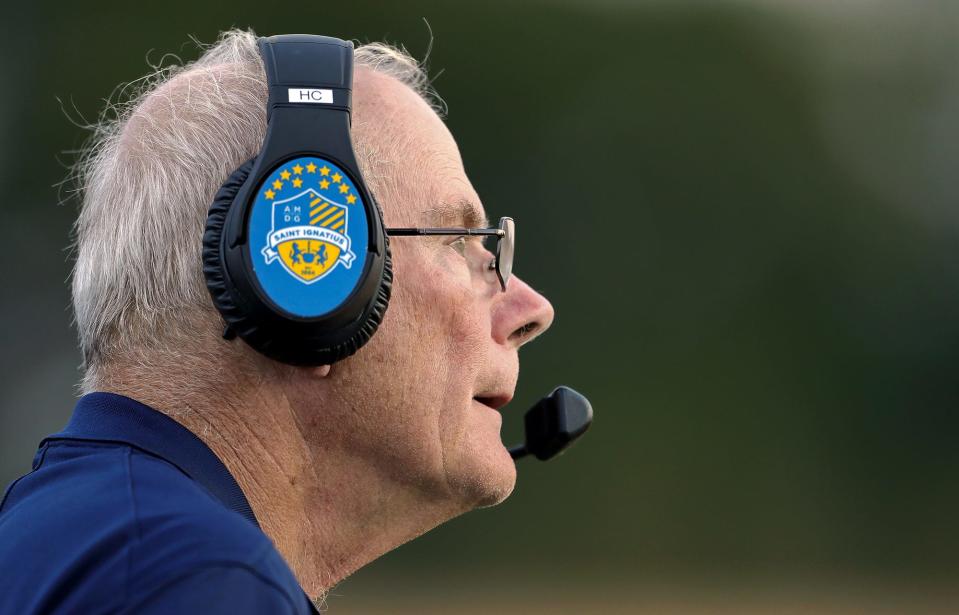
(146, 179)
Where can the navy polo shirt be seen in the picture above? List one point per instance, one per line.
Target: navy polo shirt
(127, 511)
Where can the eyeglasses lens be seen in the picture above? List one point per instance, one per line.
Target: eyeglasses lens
(504, 251)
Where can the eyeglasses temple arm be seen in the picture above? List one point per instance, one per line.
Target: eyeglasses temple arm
(397, 232)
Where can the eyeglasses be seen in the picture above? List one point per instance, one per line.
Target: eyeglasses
(504, 235)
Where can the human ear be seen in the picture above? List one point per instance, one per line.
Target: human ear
(318, 371)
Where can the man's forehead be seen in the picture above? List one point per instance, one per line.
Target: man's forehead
(455, 213)
(427, 170)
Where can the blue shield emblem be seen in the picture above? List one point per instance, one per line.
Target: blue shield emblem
(309, 236)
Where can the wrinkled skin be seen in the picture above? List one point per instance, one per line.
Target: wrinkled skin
(406, 400)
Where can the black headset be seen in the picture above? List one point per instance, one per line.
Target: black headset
(295, 253)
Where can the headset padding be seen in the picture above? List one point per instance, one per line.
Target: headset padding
(212, 263)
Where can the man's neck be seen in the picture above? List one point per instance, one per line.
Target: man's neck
(327, 512)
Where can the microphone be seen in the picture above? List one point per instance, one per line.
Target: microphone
(554, 423)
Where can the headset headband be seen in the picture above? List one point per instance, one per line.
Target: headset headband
(302, 68)
(303, 271)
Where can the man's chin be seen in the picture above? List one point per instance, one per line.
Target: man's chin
(488, 479)
(500, 488)
(478, 467)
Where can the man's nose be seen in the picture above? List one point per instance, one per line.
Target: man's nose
(521, 314)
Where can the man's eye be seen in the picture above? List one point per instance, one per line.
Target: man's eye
(459, 244)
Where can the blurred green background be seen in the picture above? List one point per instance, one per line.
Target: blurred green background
(745, 214)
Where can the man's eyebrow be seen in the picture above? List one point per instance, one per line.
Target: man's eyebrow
(462, 212)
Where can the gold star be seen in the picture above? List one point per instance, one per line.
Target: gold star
(311, 168)
(269, 194)
(298, 170)
(344, 188)
(324, 183)
(297, 182)
(351, 199)
(285, 174)
(278, 185)
(336, 177)
(325, 170)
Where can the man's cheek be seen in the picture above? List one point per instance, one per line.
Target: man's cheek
(466, 334)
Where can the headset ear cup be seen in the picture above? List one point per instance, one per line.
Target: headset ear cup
(213, 268)
(263, 336)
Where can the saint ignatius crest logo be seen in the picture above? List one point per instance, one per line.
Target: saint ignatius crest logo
(310, 231)
(308, 235)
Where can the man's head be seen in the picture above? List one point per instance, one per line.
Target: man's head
(415, 402)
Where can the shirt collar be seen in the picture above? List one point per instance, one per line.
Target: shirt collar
(114, 418)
